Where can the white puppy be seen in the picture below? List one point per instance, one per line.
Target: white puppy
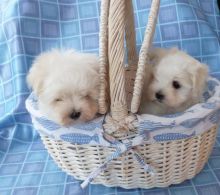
(174, 82)
(66, 84)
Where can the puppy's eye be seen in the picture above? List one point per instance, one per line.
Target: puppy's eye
(58, 100)
(87, 96)
(176, 85)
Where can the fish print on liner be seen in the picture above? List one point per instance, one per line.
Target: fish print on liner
(33, 97)
(191, 122)
(206, 95)
(178, 114)
(47, 124)
(172, 136)
(89, 126)
(79, 138)
(34, 105)
(32, 101)
(215, 117)
(151, 126)
(174, 115)
(212, 84)
(211, 105)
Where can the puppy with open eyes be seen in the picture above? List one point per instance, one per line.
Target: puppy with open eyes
(66, 84)
(174, 82)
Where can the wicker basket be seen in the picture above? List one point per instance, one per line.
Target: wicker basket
(174, 161)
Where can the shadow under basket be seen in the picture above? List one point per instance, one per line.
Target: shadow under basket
(174, 161)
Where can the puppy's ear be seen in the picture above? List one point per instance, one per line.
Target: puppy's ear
(199, 75)
(35, 79)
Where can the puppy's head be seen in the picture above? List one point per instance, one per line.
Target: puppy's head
(177, 81)
(67, 85)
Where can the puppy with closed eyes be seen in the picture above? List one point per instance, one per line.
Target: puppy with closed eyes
(174, 82)
(66, 83)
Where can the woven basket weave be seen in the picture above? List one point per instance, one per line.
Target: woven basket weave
(174, 161)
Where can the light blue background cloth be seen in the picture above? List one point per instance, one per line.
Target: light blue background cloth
(30, 27)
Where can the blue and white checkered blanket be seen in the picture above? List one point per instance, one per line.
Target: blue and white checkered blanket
(29, 27)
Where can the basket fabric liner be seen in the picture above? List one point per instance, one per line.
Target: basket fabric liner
(151, 129)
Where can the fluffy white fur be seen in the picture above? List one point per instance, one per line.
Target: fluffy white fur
(66, 83)
(174, 82)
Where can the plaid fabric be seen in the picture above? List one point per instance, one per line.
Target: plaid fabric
(29, 27)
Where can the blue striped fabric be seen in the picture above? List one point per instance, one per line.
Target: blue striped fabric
(29, 27)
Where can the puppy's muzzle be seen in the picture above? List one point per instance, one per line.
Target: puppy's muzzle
(75, 115)
(159, 96)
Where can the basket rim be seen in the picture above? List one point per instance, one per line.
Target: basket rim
(93, 130)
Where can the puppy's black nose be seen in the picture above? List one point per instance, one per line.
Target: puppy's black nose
(75, 115)
(159, 96)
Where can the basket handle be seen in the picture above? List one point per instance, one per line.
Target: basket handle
(112, 28)
(103, 52)
(116, 54)
(143, 56)
(103, 58)
(130, 37)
